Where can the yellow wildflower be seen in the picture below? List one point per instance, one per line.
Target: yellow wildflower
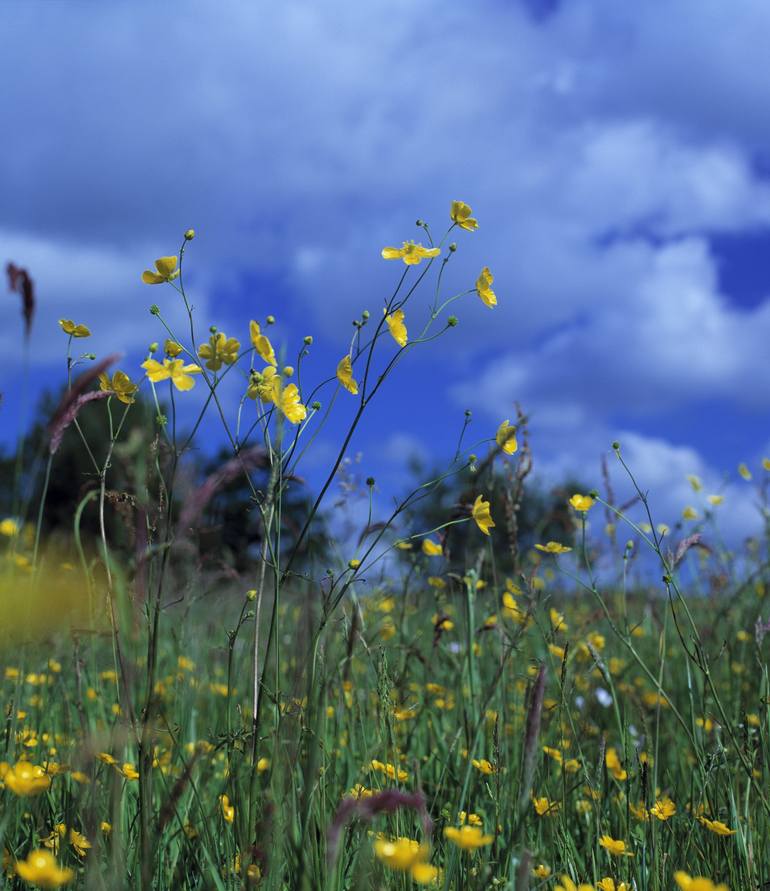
(663, 809)
(699, 883)
(400, 853)
(716, 826)
(171, 348)
(484, 766)
(395, 322)
(484, 287)
(121, 385)
(614, 846)
(553, 547)
(175, 369)
(345, 375)
(608, 884)
(568, 885)
(228, 811)
(460, 214)
(288, 401)
(744, 471)
(69, 327)
(9, 528)
(219, 350)
(545, 807)
(581, 503)
(25, 779)
(480, 513)
(409, 252)
(129, 771)
(165, 271)
(261, 343)
(41, 869)
(467, 837)
(506, 438)
(431, 548)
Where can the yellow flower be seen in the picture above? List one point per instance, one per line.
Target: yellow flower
(9, 528)
(481, 764)
(129, 771)
(581, 503)
(261, 343)
(467, 837)
(716, 826)
(171, 348)
(400, 853)
(175, 369)
(409, 252)
(397, 327)
(608, 884)
(105, 827)
(288, 401)
(480, 513)
(220, 349)
(165, 271)
(695, 482)
(766, 463)
(541, 871)
(545, 807)
(41, 869)
(228, 811)
(431, 548)
(79, 842)
(424, 873)
(553, 547)
(663, 809)
(121, 385)
(744, 471)
(69, 327)
(25, 779)
(389, 770)
(460, 214)
(614, 846)
(484, 287)
(568, 885)
(688, 883)
(345, 375)
(689, 513)
(506, 438)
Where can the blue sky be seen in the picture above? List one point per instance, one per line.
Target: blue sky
(617, 157)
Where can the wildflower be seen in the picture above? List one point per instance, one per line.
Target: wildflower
(460, 214)
(261, 343)
(165, 271)
(715, 500)
(581, 503)
(484, 287)
(716, 826)
(41, 869)
(484, 766)
(744, 471)
(389, 770)
(695, 482)
(541, 871)
(480, 513)
(568, 885)
(470, 819)
(689, 513)
(614, 846)
(395, 322)
(614, 766)
(228, 811)
(106, 758)
(121, 385)
(553, 547)
(663, 809)
(431, 548)
(608, 884)
(105, 827)
(129, 771)
(409, 252)
(543, 807)
(220, 349)
(174, 369)
(25, 779)
(699, 883)
(506, 438)
(557, 620)
(69, 327)
(9, 528)
(766, 463)
(400, 853)
(79, 842)
(468, 837)
(424, 873)
(288, 401)
(345, 375)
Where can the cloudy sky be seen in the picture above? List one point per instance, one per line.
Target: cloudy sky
(617, 157)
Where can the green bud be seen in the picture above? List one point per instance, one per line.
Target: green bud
(316, 406)
(420, 223)
(189, 235)
(155, 309)
(370, 481)
(616, 446)
(153, 347)
(308, 340)
(452, 321)
(452, 247)
(270, 320)
(365, 315)
(213, 329)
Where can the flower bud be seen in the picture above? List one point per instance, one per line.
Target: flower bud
(288, 370)
(468, 413)
(452, 247)
(91, 356)
(189, 235)
(354, 564)
(270, 320)
(365, 315)
(252, 594)
(452, 321)
(316, 406)
(213, 329)
(616, 446)
(153, 348)
(155, 309)
(370, 481)
(308, 340)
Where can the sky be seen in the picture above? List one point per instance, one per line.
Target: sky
(617, 157)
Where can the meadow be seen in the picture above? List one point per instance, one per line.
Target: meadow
(465, 704)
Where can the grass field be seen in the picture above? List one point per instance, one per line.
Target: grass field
(428, 708)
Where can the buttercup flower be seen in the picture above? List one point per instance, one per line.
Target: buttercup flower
(581, 503)
(121, 385)
(9, 527)
(608, 884)
(175, 369)
(553, 547)
(716, 826)
(228, 811)
(262, 343)
(172, 349)
(287, 399)
(480, 513)
(506, 438)
(41, 869)
(460, 214)
(431, 548)
(165, 271)
(400, 853)
(688, 883)
(345, 375)
(397, 327)
(220, 349)
(614, 846)
(484, 287)
(25, 779)
(468, 837)
(663, 809)
(568, 885)
(69, 327)
(409, 252)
